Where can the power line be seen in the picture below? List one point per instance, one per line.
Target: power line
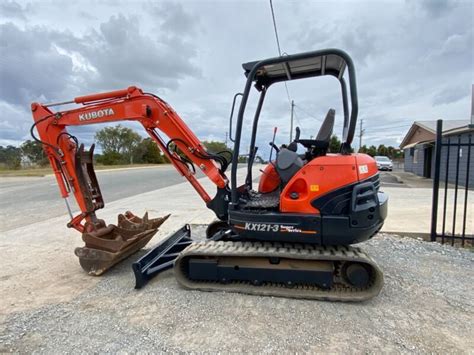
(291, 120)
(291, 103)
(275, 28)
(279, 49)
(386, 127)
(370, 127)
(306, 113)
(296, 118)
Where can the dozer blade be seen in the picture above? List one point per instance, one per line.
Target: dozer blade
(108, 245)
(161, 257)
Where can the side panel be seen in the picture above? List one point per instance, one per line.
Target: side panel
(318, 177)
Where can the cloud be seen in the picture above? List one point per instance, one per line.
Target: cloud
(16, 127)
(450, 94)
(330, 35)
(12, 10)
(45, 64)
(41, 63)
(154, 62)
(437, 7)
(174, 18)
(413, 60)
(87, 15)
(401, 53)
(31, 66)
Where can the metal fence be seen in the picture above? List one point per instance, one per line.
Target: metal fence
(451, 223)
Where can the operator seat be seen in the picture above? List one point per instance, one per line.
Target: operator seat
(319, 146)
(321, 143)
(325, 131)
(288, 162)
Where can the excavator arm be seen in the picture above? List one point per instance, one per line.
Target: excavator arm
(73, 166)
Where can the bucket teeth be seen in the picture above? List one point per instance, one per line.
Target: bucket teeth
(130, 221)
(105, 246)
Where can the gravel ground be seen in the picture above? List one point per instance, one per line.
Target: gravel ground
(426, 306)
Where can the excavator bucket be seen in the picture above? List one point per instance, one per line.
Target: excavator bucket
(105, 246)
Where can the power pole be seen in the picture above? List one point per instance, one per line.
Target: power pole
(472, 106)
(291, 121)
(361, 132)
(226, 139)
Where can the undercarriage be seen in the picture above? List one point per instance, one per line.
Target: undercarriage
(276, 269)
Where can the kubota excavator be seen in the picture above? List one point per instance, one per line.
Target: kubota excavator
(291, 237)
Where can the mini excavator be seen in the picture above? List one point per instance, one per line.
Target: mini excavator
(292, 236)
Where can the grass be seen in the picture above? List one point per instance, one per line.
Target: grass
(48, 171)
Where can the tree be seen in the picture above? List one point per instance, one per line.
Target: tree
(243, 158)
(110, 158)
(117, 143)
(363, 149)
(334, 144)
(398, 153)
(218, 147)
(372, 151)
(33, 151)
(382, 150)
(10, 156)
(214, 146)
(148, 152)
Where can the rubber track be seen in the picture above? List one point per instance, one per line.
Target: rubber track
(339, 292)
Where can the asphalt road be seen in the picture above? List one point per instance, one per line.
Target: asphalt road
(26, 200)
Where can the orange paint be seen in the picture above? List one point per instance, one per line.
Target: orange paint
(329, 173)
(269, 181)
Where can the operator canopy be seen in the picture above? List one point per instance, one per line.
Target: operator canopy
(317, 65)
(329, 61)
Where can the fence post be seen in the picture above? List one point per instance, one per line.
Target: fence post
(434, 204)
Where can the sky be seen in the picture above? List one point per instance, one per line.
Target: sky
(413, 58)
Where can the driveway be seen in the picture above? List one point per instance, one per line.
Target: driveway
(400, 178)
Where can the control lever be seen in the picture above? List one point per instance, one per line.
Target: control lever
(297, 135)
(273, 145)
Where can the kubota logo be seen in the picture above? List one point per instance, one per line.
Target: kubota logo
(96, 114)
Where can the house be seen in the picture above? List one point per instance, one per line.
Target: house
(419, 148)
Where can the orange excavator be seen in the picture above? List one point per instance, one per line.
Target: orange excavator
(289, 237)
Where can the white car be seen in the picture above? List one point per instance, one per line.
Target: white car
(383, 162)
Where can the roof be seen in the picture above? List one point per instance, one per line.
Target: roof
(449, 127)
(330, 64)
(447, 124)
(411, 145)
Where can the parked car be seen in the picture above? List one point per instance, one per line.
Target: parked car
(383, 162)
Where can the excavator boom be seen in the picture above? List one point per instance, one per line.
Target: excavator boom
(74, 172)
